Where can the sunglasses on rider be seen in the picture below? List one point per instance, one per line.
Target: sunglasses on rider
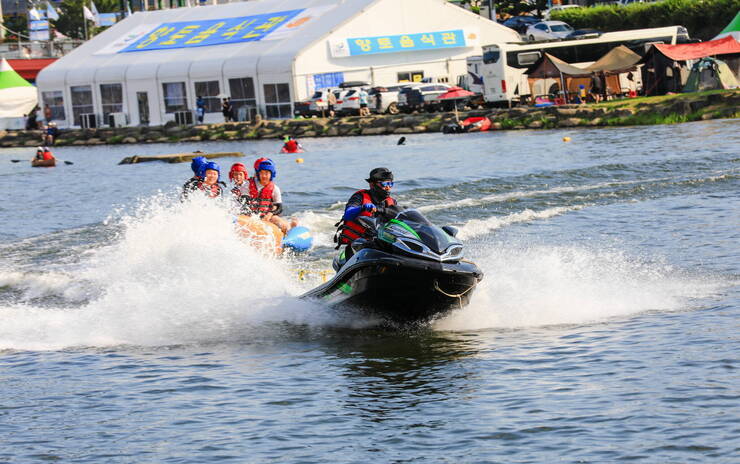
(386, 184)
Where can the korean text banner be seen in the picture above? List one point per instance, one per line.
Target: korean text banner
(356, 46)
(202, 33)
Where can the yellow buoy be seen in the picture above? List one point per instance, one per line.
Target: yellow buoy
(299, 160)
(566, 139)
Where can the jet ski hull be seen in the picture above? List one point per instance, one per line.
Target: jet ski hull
(399, 289)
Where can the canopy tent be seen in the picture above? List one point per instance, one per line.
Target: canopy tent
(665, 67)
(732, 29)
(710, 74)
(551, 66)
(569, 76)
(618, 60)
(682, 52)
(17, 96)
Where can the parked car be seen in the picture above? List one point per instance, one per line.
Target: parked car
(388, 99)
(521, 23)
(421, 96)
(314, 106)
(348, 100)
(583, 34)
(548, 30)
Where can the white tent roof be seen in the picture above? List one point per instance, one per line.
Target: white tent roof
(98, 60)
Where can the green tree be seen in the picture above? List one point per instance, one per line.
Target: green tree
(70, 22)
(17, 23)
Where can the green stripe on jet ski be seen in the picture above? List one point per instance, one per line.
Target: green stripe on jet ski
(346, 288)
(405, 226)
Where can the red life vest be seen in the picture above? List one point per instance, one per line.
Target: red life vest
(211, 191)
(291, 146)
(48, 156)
(349, 231)
(261, 199)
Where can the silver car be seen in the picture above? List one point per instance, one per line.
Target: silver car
(548, 30)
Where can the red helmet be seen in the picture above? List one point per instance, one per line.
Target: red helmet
(237, 167)
(257, 164)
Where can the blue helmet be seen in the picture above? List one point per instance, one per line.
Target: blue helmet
(267, 165)
(210, 165)
(197, 164)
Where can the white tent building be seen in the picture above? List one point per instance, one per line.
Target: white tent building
(263, 54)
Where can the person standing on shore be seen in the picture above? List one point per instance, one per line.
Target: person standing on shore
(331, 100)
(364, 110)
(200, 109)
(227, 110)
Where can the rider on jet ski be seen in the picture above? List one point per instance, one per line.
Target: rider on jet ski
(366, 202)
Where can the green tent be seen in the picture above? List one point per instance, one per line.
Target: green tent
(17, 96)
(732, 29)
(710, 74)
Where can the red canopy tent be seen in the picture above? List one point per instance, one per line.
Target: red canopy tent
(682, 52)
(665, 67)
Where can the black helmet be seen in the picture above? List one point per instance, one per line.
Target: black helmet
(380, 175)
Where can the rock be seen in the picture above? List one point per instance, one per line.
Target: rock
(420, 128)
(496, 125)
(403, 130)
(535, 124)
(569, 122)
(567, 111)
(373, 131)
(333, 131)
(94, 141)
(134, 140)
(79, 142)
(707, 116)
(309, 133)
(595, 122)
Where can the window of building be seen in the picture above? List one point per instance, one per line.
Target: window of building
(277, 101)
(175, 97)
(82, 102)
(55, 100)
(209, 91)
(111, 97)
(243, 99)
(411, 76)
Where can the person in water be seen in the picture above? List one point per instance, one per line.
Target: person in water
(240, 186)
(266, 198)
(369, 202)
(291, 145)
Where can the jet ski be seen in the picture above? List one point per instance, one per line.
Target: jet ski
(410, 271)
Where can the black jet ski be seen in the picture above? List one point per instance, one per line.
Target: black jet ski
(410, 271)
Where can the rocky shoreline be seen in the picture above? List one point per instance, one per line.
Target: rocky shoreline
(640, 111)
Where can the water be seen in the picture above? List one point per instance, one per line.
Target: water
(134, 328)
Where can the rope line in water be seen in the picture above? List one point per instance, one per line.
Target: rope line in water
(324, 274)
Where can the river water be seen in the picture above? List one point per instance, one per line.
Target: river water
(134, 328)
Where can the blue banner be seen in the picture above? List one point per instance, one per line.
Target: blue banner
(406, 42)
(107, 19)
(38, 25)
(322, 81)
(203, 33)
